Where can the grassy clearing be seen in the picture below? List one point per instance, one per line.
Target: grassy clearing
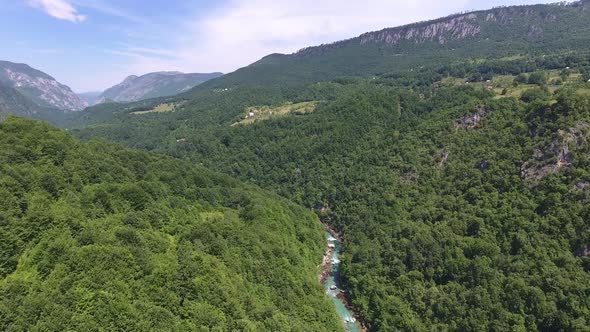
(263, 113)
(162, 108)
(501, 82)
(513, 57)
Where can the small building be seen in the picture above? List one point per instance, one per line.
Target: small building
(251, 114)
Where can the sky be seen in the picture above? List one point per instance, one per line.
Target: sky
(91, 45)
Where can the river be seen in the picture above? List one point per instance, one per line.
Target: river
(333, 289)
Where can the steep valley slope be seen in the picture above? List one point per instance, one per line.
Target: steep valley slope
(451, 154)
(97, 237)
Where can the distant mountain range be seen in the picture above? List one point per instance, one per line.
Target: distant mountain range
(153, 85)
(40, 88)
(26, 91)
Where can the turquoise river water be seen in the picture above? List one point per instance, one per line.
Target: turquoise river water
(333, 288)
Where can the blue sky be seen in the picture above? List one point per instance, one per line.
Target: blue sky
(93, 44)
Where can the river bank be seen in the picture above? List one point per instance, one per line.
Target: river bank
(330, 278)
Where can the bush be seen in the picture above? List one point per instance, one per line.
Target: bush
(535, 94)
(538, 78)
(521, 79)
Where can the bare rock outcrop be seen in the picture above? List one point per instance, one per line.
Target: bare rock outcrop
(472, 121)
(455, 28)
(557, 155)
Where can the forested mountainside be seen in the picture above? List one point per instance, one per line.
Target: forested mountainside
(97, 237)
(491, 34)
(462, 205)
(452, 155)
(505, 40)
(13, 102)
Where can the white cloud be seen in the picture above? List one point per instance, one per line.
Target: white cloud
(243, 31)
(251, 29)
(60, 9)
(108, 9)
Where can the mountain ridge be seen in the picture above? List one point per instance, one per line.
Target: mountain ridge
(153, 85)
(90, 97)
(493, 33)
(41, 88)
(433, 28)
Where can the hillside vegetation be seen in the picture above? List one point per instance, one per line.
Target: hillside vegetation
(262, 113)
(444, 227)
(455, 164)
(96, 237)
(13, 102)
(491, 34)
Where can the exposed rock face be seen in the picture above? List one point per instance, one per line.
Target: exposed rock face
(41, 88)
(513, 14)
(153, 85)
(556, 156)
(455, 28)
(473, 120)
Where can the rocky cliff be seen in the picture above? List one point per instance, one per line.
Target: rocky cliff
(463, 26)
(41, 88)
(459, 27)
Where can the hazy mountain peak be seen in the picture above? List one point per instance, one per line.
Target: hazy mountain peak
(152, 85)
(130, 78)
(167, 73)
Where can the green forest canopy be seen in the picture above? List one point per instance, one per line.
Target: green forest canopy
(447, 223)
(96, 237)
(461, 208)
